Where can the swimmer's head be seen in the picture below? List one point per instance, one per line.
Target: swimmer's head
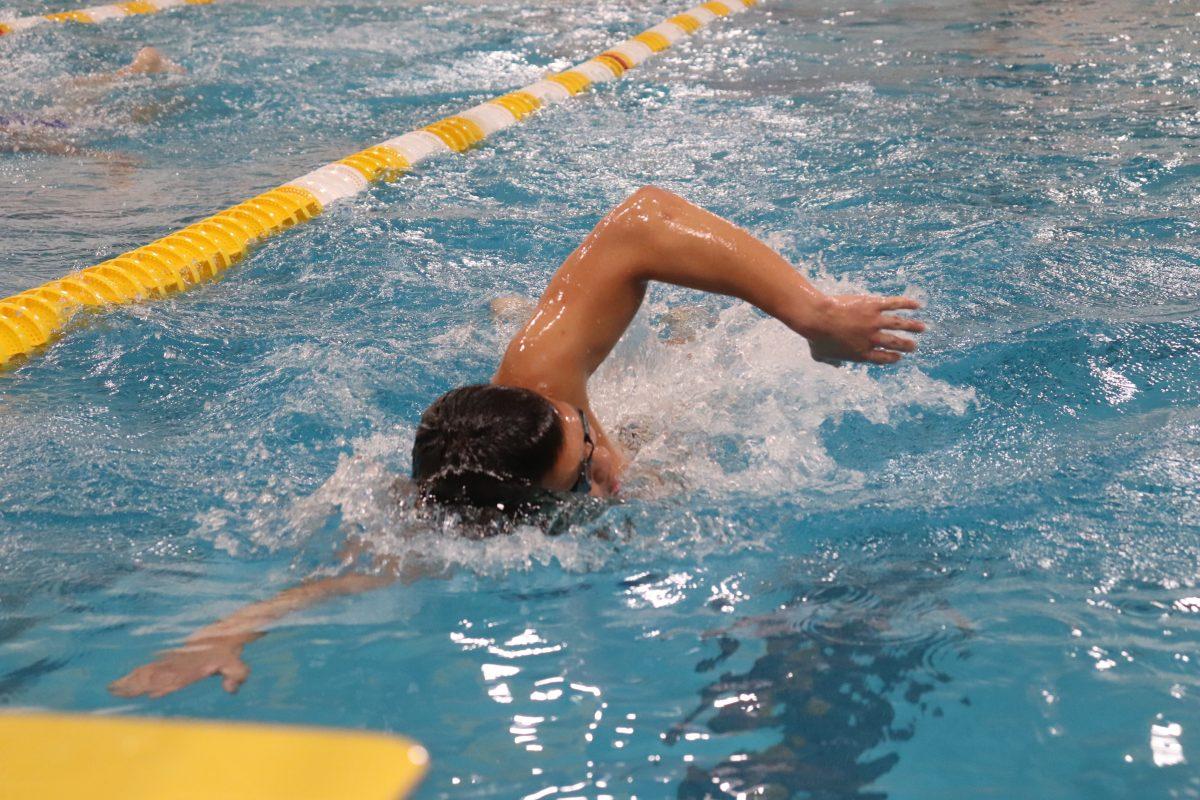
(487, 446)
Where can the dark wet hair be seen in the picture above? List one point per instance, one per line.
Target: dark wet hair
(486, 446)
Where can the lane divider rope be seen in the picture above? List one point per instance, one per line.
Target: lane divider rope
(89, 16)
(205, 249)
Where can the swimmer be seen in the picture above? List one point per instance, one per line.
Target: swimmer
(530, 433)
(48, 135)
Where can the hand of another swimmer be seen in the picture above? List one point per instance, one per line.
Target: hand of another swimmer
(856, 328)
(195, 661)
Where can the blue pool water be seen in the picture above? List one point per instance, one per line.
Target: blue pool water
(972, 576)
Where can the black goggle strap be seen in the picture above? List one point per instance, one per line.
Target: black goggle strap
(583, 484)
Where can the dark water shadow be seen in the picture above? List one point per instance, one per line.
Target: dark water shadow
(848, 669)
(15, 681)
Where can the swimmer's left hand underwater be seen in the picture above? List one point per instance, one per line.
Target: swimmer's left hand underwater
(530, 433)
(216, 649)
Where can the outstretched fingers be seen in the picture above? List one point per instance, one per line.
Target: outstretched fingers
(151, 680)
(887, 341)
(169, 684)
(131, 685)
(898, 304)
(894, 323)
(883, 357)
(176, 669)
(887, 347)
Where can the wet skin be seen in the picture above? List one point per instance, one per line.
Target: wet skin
(652, 236)
(655, 235)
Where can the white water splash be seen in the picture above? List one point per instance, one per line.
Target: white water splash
(740, 407)
(737, 410)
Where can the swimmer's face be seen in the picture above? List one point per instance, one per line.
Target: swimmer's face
(581, 455)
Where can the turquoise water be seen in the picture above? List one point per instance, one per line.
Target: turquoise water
(973, 576)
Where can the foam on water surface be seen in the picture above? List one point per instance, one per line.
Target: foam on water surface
(735, 412)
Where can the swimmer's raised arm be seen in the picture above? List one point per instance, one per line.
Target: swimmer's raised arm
(216, 649)
(655, 235)
(532, 428)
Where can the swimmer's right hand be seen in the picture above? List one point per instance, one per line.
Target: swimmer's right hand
(856, 328)
(195, 661)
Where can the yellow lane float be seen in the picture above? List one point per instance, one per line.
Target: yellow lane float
(205, 249)
(61, 756)
(90, 16)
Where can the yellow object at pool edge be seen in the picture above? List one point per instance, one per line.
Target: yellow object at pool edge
(52, 756)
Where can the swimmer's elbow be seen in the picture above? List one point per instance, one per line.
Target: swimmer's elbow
(651, 193)
(635, 234)
(652, 204)
(645, 214)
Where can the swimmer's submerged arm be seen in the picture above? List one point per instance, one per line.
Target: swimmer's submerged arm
(655, 235)
(216, 649)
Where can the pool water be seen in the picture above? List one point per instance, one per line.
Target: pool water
(970, 576)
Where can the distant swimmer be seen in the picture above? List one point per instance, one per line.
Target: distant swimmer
(50, 133)
(530, 434)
